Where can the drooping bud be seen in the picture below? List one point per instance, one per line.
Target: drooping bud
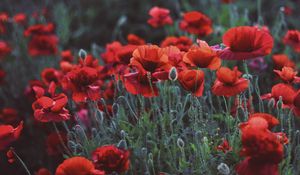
(271, 103)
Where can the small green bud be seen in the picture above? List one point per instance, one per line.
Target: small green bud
(223, 169)
(82, 54)
(180, 143)
(173, 75)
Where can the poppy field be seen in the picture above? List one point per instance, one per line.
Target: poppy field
(136, 87)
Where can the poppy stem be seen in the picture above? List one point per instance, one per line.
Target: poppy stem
(249, 88)
(225, 104)
(60, 139)
(259, 14)
(21, 161)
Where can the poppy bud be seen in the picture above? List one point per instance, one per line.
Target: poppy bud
(223, 169)
(123, 134)
(144, 151)
(150, 157)
(82, 54)
(180, 143)
(279, 103)
(115, 108)
(271, 103)
(247, 76)
(173, 75)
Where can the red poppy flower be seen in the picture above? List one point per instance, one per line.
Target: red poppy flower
(109, 56)
(89, 61)
(225, 147)
(287, 10)
(192, 80)
(202, 57)
(43, 171)
(84, 84)
(135, 40)
(67, 55)
(138, 83)
(20, 18)
(271, 120)
(4, 17)
(229, 83)
(111, 159)
(78, 166)
(150, 58)
(159, 17)
(175, 57)
(296, 104)
(281, 60)
(41, 45)
(262, 148)
(252, 166)
(286, 91)
(43, 41)
(8, 134)
(66, 66)
(288, 75)
(51, 75)
(29, 90)
(9, 116)
(183, 43)
(196, 23)
(246, 42)
(4, 49)
(39, 29)
(124, 53)
(48, 109)
(54, 145)
(3, 20)
(292, 38)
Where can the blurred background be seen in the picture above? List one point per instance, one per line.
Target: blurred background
(84, 22)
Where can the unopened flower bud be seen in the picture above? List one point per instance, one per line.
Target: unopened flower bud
(279, 103)
(180, 143)
(223, 169)
(122, 144)
(123, 134)
(271, 103)
(144, 151)
(173, 75)
(82, 54)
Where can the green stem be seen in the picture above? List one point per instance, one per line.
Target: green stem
(21, 161)
(249, 85)
(60, 139)
(225, 103)
(259, 14)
